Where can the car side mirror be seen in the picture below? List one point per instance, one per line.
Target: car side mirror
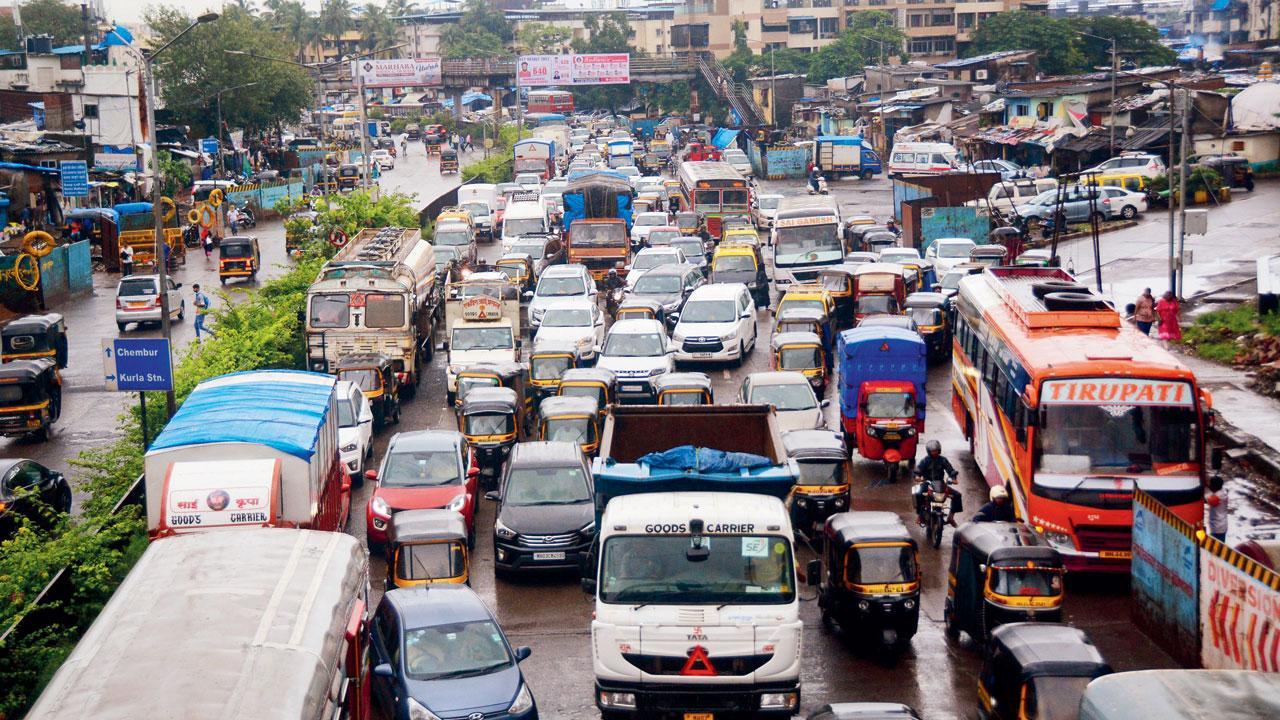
(383, 670)
(982, 568)
(523, 652)
(824, 403)
(746, 315)
(371, 475)
(493, 496)
(473, 472)
(937, 287)
(813, 573)
(589, 585)
(177, 285)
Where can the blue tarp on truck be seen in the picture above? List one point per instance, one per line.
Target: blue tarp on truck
(597, 195)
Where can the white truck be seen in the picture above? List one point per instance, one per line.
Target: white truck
(696, 599)
(807, 238)
(379, 294)
(482, 324)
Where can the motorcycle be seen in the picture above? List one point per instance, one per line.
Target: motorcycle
(613, 300)
(247, 218)
(937, 507)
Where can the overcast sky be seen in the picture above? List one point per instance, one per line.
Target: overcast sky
(127, 11)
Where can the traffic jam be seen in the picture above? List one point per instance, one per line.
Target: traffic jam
(639, 435)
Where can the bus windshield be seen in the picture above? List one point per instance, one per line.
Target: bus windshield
(1109, 439)
(807, 244)
(739, 569)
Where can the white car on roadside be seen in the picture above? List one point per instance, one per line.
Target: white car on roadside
(576, 323)
(384, 159)
(737, 160)
(355, 428)
(1123, 203)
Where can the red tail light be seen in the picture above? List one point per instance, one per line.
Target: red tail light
(158, 301)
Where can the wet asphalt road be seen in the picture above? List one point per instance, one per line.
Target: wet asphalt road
(551, 614)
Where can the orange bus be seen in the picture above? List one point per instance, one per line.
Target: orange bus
(714, 189)
(1070, 408)
(550, 101)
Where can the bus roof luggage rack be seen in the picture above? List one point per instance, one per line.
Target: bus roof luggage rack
(1029, 293)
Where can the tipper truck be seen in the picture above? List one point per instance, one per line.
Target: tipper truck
(693, 572)
(597, 221)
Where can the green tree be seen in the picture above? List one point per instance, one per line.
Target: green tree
(482, 31)
(875, 35)
(378, 30)
(541, 38)
(1056, 44)
(198, 66)
(336, 18)
(44, 17)
(741, 61)
(1136, 40)
(175, 175)
(291, 19)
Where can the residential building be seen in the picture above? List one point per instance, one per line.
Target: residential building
(1224, 22)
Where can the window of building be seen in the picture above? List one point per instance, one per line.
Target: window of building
(964, 21)
(1044, 110)
(877, 3)
(822, 3)
(1021, 110)
(828, 27)
(942, 20)
(915, 20)
(90, 111)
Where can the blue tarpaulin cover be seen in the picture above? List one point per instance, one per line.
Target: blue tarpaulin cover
(1220, 5)
(133, 208)
(724, 137)
(704, 460)
(282, 409)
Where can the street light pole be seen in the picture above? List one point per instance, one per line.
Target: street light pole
(1115, 70)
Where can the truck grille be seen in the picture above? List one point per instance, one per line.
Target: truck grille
(1096, 538)
(728, 666)
(805, 276)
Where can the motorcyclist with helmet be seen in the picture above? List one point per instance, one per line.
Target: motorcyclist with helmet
(936, 474)
(999, 509)
(613, 282)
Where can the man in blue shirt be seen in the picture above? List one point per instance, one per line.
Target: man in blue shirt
(202, 311)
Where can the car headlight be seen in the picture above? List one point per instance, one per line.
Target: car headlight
(349, 447)
(503, 531)
(728, 336)
(523, 702)
(457, 503)
(418, 712)
(657, 371)
(1058, 539)
(380, 507)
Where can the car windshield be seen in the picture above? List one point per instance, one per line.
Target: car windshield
(876, 305)
(800, 358)
(429, 561)
(628, 344)
(880, 565)
(346, 414)
(495, 423)
(475, 338)
(426, 468)
(547, 485)
(140, 286)
(663, 237)
(515, 227)
(589, 234)
(455, 650)
(452, 237)
(533, 250)
(709, 311)
(1026, 582)
(656, 284)
(567, 317)
(807, 244)
(784, 396)
(735, 263)
(561, 286)
(926, 317)
(769, 203)
(650, 260)
(891, 405)
(692, 249)
(821, 472)
(954, 250)
(666, 569)
(897, 256)
(651, 219)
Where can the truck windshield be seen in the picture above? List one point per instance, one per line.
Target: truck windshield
(452, 238)
(584, 234)
(807, 244)
(515, 227)
(383, 310)
(330, 311)
(475, 338)
(891, 405)
(740, 569)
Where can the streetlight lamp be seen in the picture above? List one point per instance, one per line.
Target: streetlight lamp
(1115, 68)
(162, 275)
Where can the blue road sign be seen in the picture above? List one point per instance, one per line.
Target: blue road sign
(75, 178)
(137, 364)
(209, 145)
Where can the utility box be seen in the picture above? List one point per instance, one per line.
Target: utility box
(1268, 284)
(1197, 222)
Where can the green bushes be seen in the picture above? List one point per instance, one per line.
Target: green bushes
(1235, 336)
(498, 167)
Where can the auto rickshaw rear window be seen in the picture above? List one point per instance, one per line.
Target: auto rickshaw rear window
(550, 368)
(490, 424)
(835, 282)
(730, 263)
(1049, 696)
(685, 397)
(330, 311)
(880, 565)
(595, 392)
(926, 316)
(891, 405)
(574, 430)
(877, 305)
(417, 469)
(367, 379)
(1025, 582)
(821, 472)
(236, 250)
(799, 358)
(429, 561)
(19, 343)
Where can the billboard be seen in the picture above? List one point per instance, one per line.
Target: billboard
(573, 69)
(400, 72)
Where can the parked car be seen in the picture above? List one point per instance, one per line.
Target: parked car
(1123, 203)
(1077, 202)
(439, 652)
(636, 351)
(422, 470)
(1008, 169)
(138, 300)
(355, 429)
(21, 482)
(791, 396)
(1003, 197)
(578, 323)
(717, 323)
(1131, 162)
(546, 508)
(765, 210)
(557, 285)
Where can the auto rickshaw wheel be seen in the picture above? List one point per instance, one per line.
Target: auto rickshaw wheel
(949, 624)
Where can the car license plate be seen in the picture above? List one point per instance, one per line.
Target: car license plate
(702, 356)
(633, 388)
(548, 556)
(699, 716)
(1115, 554)
(138, 304)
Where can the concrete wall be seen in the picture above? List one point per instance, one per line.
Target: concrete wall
(1262, 151)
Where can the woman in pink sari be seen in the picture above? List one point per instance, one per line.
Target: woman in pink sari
(1167, 309)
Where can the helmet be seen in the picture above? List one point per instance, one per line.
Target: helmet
(933, 446)
(999, 493)
(613, 272)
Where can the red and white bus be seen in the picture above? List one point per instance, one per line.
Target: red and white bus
(714, 189)
(1072, 409)
(550, 101)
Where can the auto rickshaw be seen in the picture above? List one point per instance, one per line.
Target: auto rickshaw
(498, 374)
(989, 255)
(860, 257)
(802, 352)
(35, 336)
(518, 267)
(376, 377)
(30, 397)
(825, 477)
(738, 234)
(599, 384)
(1000, 572)
(815, 297)
(1037, 671)
(427, 547)
(801, 319)
(740, 222)
(547, 363)
(683, 388)
(644, 203)
(348, 176)
(741, 262)
(929, 311)
(635, 308)
(871, 587)
(238, 257)
(878, 240)
(854, 234)
(489, 420)
(448, 161)
(838, 280)
(573, 419)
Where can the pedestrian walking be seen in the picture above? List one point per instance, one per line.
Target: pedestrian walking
(233, 218)
(467, 140)
(456, 141)
(206, 239)
(1167, 310)
(1144, 311)
(1217, 500)
(202, 311)
(126, 261)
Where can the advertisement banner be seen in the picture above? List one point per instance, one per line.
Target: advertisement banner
(595, 69)
(399, 72)
(1239, 611)
(1165, 578)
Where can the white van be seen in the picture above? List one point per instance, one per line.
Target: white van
(522, 218)
(923, 158)
(1005, 196)
(481, 200)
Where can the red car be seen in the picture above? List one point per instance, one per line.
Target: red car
(423, 470)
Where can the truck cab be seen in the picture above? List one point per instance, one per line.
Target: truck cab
(482, 320)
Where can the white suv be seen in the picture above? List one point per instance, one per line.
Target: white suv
(717, 322)
(636, 351)
(1131, 164)
(557, 285)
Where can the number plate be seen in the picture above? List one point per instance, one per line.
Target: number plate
(1115, 554)
(702, 356)
(548, 556)
(892, 436)
(633, 388)
(699, 716)
(138, 304)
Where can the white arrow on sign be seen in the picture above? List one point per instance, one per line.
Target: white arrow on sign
(109, 364)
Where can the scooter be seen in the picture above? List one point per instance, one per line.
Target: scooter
(822, 186)
(247, 218)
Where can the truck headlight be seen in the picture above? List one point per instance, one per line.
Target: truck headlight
(784, 701)
(523, 701)
(618, 699)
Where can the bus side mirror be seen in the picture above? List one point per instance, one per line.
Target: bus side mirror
(813, 573)
(1020, 433)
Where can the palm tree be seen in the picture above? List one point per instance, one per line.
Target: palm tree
(378, 29)
(336, 18)
(291, 19)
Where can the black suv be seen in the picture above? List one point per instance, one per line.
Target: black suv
(546, 508)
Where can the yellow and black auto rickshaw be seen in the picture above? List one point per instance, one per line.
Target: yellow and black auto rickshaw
(802, 319)
(825, 476)
(518, 267)
(30, 397)
(427, 547)
(838, 280)
(238, 257)
(489, 420)
(1000, 572)
(683, 388)
(636, 308)
(448, 161)
(871, 587)
(689, 223)
(929, 311)
(35, 336)
(548, 361)
(598, 384)
(1037, 671)
(348, 176)
(498, 374)
(802, 352)
(376, 377)
(572, 419)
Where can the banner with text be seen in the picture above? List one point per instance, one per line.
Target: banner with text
(595, 69)
(399, 72)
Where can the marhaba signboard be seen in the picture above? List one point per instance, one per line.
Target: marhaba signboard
(573, 69)
(399, 72)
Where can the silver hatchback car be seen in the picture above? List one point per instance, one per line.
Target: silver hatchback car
(138, 300)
